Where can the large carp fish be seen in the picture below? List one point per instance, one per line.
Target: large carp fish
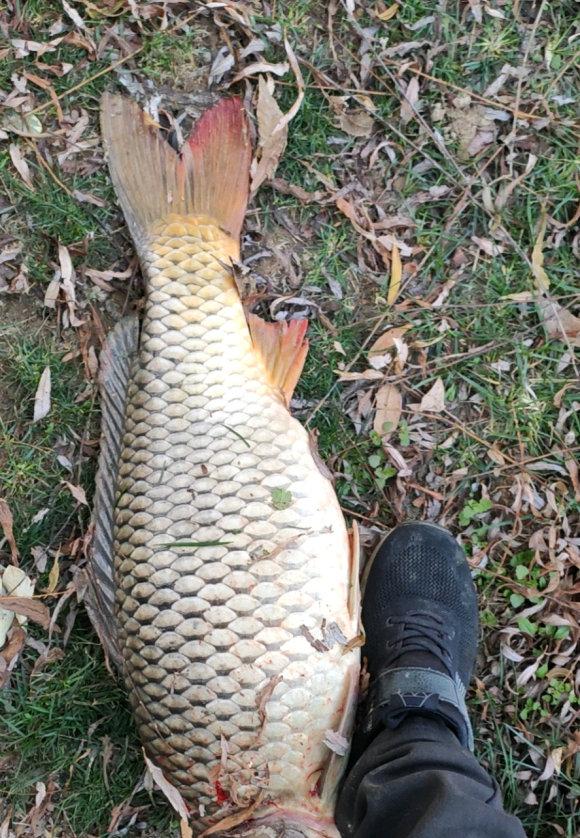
(224, 584)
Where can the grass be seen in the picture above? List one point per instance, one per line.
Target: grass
(506, 385)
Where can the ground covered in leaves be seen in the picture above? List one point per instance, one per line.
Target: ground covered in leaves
(417, 202)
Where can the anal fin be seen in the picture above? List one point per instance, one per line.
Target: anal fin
(116, 360)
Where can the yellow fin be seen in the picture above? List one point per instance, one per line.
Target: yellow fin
(209, 177)
(283, 348)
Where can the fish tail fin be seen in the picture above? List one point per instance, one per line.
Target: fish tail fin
(210, 176)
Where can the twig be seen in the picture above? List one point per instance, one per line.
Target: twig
(362, 91)
(90, 79)
(45, 165)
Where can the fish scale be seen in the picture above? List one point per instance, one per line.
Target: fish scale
(204, 631)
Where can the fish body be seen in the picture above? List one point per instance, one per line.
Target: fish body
(232, 566)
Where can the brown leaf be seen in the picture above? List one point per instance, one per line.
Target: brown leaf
(281, 185)
(396, 274)
(434, 399)
(74, 15)
(553, 764)
(53, 576)
(67, 283)
(185, 829)
(572, 467)
(367, 375)
(289, 116)
(495, 455)
(88, 198)
(410, 101)
(26, 607)
(7, 522)
(388, 13)
(487, 245)
(389, 407)
(272, 140)
(21, 165)
(9, 654)
(541, 278)
(264, 695)
(170, 792)
(348, 209)
(52, 292)
(42, 397)
(476, 10)
(356, 123)
(77, 492)
(262, 67)
(45, 659)
(397, 459)
(387, 340)
(232, 821)
(25, 125)
(559, 323)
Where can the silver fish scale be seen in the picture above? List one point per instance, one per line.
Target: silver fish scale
(228, 692)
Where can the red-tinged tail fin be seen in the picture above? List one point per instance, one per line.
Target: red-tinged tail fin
(209, 177)
(220, 153)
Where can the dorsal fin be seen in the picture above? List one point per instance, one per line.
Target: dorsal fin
(115, 362)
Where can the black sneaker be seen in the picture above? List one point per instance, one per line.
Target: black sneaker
(420, 618)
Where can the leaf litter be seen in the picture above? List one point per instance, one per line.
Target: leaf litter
(410, 430)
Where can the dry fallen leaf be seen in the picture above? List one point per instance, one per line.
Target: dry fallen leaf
(184, 829)
(396, 274)
(389, 407)
(356, 123)
(367, 375)
(271, 142)
(558, 322)
(234, 820)
(7, 522)
(262, 67)
(24, 607)
(572, 467)
(410, 100)
(9, 656)
(388, 13)
(25, 125)
(553, 764)
(387, 340)
(53, 576)
(77, 492)
(487, 245)
(21, 165)
(542, 280)
(289, 115)
(42, 397)
(170, 792)
(476, 10)
(434, 399)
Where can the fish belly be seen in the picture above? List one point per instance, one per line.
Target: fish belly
(231, 697)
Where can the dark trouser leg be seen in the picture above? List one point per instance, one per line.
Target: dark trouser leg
(417, 781)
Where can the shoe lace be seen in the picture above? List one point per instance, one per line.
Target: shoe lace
(420, 631)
